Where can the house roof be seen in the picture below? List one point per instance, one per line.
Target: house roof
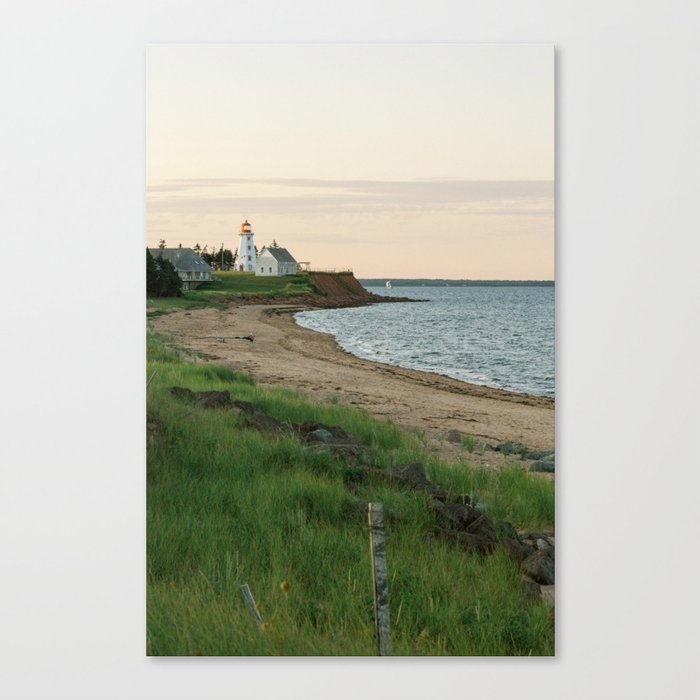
(183, 259)
(280, 254)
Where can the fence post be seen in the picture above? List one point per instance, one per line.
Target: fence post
(252, 607)
(380, 577)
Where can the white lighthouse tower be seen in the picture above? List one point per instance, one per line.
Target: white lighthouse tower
(245, 262)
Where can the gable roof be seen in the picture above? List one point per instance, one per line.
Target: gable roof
(280, 254)
(183, 259)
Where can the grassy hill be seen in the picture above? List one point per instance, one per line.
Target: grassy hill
(229, 504)
(227, 285)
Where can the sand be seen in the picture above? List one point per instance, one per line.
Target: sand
(285, 354)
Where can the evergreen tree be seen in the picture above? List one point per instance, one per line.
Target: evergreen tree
(151, 275)
(162, 279)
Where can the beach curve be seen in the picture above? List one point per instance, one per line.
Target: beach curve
(285, 354)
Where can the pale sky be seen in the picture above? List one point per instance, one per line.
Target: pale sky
(395, 160)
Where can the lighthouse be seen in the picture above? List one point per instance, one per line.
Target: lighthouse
(245, 262)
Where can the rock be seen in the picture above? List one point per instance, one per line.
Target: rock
(540, 566)
(467, 540)
(531, 589)
(180, 392)
(319, 435)
(532, 537)
(214, 399)
(539, 454)
(205, 399)
(414, 477)
(255, 418)
(547, 594)
(516, 550)
(332, 437)
(454, 436)
(511, 448)
(335, 430)
(542, 465)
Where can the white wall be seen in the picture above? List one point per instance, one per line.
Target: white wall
(72, 600)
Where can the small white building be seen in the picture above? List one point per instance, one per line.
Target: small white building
(245, 262)
(275, 262)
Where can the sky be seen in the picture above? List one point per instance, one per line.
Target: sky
(394, 160)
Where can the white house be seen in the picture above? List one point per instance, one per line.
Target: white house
(275, 262)
(189, 266)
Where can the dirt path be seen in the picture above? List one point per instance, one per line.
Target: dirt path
(283, 353)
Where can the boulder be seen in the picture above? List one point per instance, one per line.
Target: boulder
(413, 476)
(511, 448)
(454, 436)
(531, 589)
(539, 566)
(542, 465)
(515, 549)
(214, 399)
(255, 418)
(456, 515)
(471, 543)
(547, 594)
(319, 435)
(205, 399)
(539, 454)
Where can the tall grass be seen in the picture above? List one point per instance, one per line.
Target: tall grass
(228, 505)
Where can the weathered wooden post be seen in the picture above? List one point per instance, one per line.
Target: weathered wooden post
(252, 607)
(380, 577)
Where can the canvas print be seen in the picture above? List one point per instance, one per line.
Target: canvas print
(350, 350)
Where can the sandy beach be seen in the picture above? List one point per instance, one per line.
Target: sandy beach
(285, 354)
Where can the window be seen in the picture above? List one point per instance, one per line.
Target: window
(270, 270)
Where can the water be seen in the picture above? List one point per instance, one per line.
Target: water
(501, 337)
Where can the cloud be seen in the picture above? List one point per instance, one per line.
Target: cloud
(229, 196)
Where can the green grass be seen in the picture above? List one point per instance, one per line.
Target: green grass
(226, 285)
(469, 443)
(228, 505)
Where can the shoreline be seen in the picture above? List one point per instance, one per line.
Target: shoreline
(284, 353)
(474, 385)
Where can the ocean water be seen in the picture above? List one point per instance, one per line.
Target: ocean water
(501, 337)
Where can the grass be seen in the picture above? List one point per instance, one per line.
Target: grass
(228, 505)
(226, 285)
(469, 443)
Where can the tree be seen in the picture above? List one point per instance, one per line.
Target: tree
(162, 279)
(161, 243)
(225, 258)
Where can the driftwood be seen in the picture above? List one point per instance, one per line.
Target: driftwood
(221, 338)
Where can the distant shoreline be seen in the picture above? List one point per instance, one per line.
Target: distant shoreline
(406, 282)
